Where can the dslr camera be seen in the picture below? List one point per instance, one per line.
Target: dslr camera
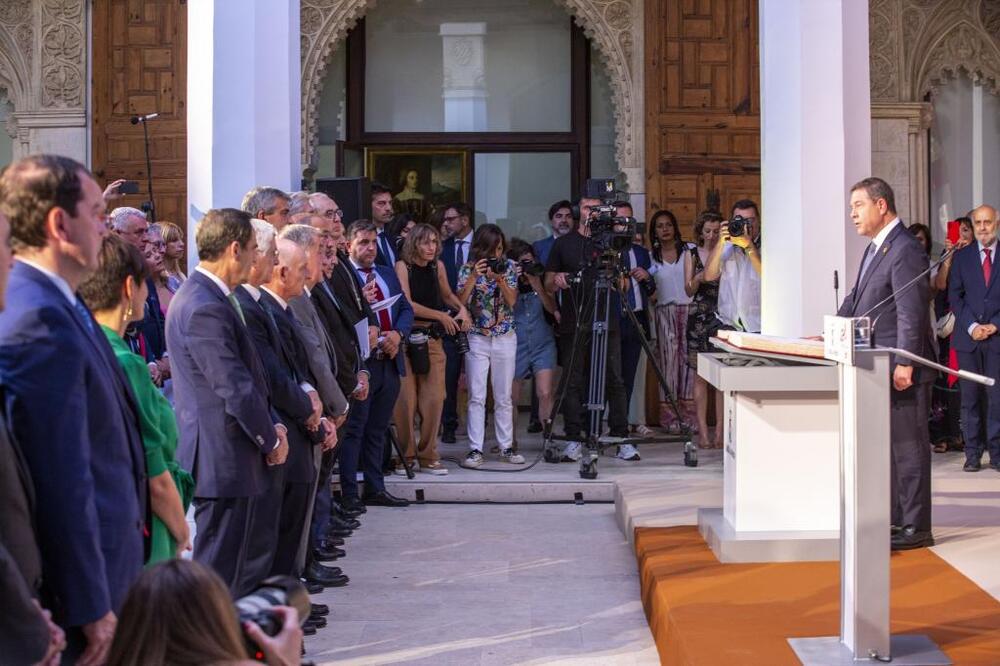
(258, 607)
(609, 232)
(532, 268)
(497, 264)
(739, 226)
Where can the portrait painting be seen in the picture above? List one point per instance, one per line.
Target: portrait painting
(421, 180)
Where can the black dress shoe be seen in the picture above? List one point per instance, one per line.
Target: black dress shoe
(352, 506)
(383, 498)
(448, 437)
(972, 466)
(910, 537)
(535, 426)
(312, 588)
(336, 533)
(325, 576)
(327, 554)
(308, 629)
(319, 609)
(333, 541)
(345, 523)
(317, 621)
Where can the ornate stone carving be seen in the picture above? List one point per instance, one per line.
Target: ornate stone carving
(965, 48)
(13, 12)
(63, 52)
(611, 26)
(883, 52)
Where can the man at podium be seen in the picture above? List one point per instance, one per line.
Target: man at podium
(900, 318)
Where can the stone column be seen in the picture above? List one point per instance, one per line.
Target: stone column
(815, 143)
(899, 155)
(244, 114)
(464, 73)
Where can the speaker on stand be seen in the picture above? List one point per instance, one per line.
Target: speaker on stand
(353, 195)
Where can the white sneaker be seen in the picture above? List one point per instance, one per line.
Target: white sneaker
(572, 452)
(508, 456)
(628, 452)
(435, 468)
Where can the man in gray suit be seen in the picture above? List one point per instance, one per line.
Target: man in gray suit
(228, 432)
(900, 318)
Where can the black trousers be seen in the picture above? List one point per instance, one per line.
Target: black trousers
(452, 369)
(229, 532)
(291, 522)
(576, 377)
(632, 349)
(910, 456)
(980, 405)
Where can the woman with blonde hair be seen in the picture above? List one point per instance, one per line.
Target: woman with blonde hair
(422, 276)
(173, 255)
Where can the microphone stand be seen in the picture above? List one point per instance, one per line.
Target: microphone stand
(149, 173)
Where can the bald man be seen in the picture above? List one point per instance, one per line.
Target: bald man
(975, 299)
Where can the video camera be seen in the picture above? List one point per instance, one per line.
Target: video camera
(610, 232)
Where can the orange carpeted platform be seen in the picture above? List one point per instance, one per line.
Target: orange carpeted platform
(704, 612)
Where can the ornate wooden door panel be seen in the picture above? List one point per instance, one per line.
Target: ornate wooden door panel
(702, 105)
(140, 67)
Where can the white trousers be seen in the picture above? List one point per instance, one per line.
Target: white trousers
(493, 357)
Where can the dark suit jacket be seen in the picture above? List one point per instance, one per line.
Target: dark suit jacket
(448, 259)
(380, 258)
(904, 321)
(347, 287)
(542, 249)
(321, 354)
(642, 260)
(341, 332)
(401, 311)
(153, 325)
(24, 634)
(220, 393)
(300, 463)
(972, 300)
(73, 413)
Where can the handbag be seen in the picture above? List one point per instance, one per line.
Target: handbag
(944, 326)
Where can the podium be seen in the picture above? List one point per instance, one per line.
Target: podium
(781, 459)
(864, 381)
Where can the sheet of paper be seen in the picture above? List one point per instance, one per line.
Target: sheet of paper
(387, 303)
(361, 331)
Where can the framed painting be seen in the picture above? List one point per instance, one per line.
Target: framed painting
(421, 180)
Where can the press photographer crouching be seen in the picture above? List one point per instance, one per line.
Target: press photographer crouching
(570, 269)
(179, 612)
(487, 283)
(736, 263)
(536, 344)
(422, 276)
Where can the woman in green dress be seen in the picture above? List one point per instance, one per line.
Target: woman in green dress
(116, 294)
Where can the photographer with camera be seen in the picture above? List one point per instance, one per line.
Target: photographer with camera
(179, 612)
(536, 344)
(422, 277)
(570, 269)
(487, 284)
(735, 263)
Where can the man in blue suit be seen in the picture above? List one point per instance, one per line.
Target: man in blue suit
(636, 263)
(382, 213)
(364, 434)
(975, 300)
(227, 430)
(458, 225)
(68, 403)
(561, 219)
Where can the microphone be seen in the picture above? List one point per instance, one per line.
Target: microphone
(135, 120)
(891, 297)
(836, 290)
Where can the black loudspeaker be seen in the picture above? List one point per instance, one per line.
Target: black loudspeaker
(353, 195)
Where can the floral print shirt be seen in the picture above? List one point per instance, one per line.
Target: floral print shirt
(490, 313)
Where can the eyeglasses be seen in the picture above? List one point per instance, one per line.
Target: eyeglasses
(332, 213)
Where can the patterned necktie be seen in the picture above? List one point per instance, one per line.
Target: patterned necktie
(987, 266)
(84, 314)
(459, 255)
(384, 322)
(236, 304)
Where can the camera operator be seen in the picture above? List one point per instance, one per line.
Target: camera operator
(536, 345)
(570, 271)
(735, 262)
(422, 277)
(487, 284)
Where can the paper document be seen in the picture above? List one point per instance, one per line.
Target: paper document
(386, 303)
(361, 331)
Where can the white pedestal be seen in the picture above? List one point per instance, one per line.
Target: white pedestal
(781, 464)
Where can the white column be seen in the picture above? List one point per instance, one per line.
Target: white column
(815, 143)
(244, 114)
(464, 52)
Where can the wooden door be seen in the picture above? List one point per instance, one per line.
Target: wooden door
(140, 67)
(702, 106)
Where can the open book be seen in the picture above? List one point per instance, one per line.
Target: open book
(773, 343)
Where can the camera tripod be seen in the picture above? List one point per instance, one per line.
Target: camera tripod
(608, 271)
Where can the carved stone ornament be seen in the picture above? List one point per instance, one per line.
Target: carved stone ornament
(63, 52)
(966, 48)
(610, 25)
